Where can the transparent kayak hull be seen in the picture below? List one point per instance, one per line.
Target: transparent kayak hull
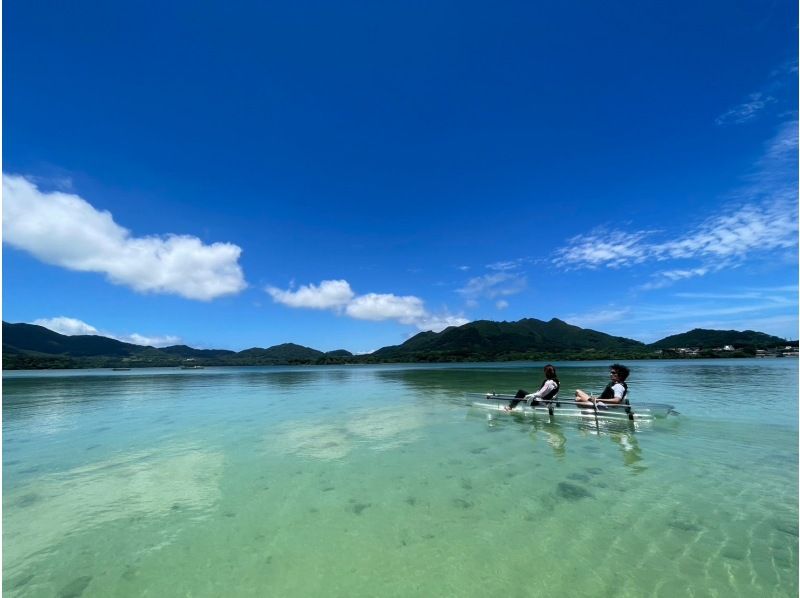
(568, 408)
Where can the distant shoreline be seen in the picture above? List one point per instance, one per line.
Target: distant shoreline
(33, 347)
(126, 366)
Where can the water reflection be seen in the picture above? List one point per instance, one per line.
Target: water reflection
(554, 434)
(281, 380)
(630, 449)
(453, 381)
(24, 396)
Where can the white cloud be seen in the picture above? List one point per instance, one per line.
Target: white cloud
(64, 230)
(501, 284)
(719, 296)
(503, 266)
(406, 310)
(68, 326)
(746, 111)
(336, 295)
(775, 178)
(437, 323)
(669, 277)
(61, 182)
(748, 229)
(373, 306)
(501, 304)
(760, 218)
(149, 341)
(650, 323)
(74, 327)
(329, 294)
(681, 274)
(747, 293)
(697, 312)
(612, 249)
(773, 311)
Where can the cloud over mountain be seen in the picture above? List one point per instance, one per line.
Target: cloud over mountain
(73, 327)
(330, 294)
(336, 295)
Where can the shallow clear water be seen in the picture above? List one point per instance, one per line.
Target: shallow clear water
(381, 481)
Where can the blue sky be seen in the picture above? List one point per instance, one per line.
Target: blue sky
(344, 175)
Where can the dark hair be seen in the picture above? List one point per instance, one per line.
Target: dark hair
(550, 373)
(622, 371)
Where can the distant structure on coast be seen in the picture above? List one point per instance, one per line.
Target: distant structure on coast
(787, 351)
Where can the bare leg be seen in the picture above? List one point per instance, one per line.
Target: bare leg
(582, 397)
(521, 394)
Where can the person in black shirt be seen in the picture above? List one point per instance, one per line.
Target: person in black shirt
(613, 394)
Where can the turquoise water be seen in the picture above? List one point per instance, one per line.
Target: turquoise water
(381, 481)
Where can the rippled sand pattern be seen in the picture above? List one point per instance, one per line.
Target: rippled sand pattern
(381, 428)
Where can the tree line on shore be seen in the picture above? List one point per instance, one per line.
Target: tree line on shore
(26, 346)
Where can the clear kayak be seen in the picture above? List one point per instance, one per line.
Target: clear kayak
(558, 408)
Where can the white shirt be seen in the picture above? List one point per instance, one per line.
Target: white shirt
(548, 386)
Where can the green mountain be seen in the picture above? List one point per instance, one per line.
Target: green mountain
(26, 346)
(339, 353)
(29, 338)
(485, 339)
(709, 339)
(184, 351)
(284, 352)
(31, 346)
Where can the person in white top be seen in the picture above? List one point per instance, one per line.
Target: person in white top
(547, 392)
(613, 394)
